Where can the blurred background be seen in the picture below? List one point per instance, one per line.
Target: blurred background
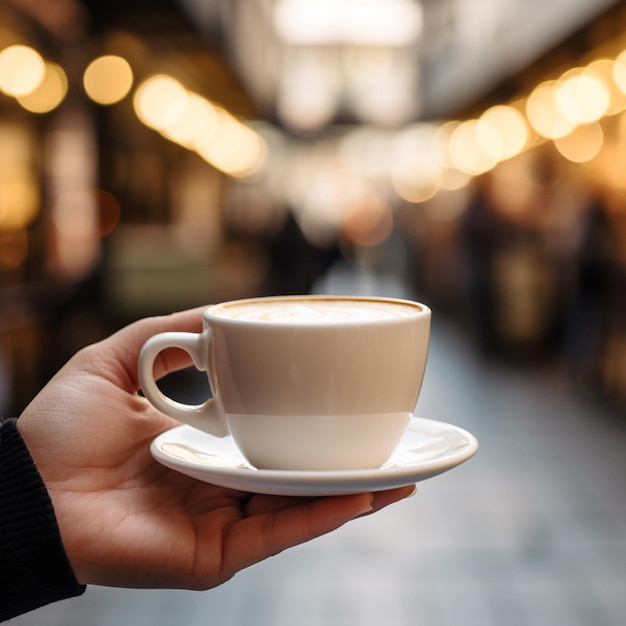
(157, 155)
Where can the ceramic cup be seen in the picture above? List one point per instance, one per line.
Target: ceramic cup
(303, 382)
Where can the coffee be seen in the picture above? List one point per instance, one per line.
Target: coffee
(315, 310)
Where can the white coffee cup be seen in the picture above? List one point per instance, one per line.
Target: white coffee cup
(303, 382)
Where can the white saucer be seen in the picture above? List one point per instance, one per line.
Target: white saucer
(428, 448)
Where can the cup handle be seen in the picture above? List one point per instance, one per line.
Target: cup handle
(207, 416)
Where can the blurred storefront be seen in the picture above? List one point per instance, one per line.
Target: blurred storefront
(150, 165)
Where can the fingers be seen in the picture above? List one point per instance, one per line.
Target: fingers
(121, 350)
(275, 529)
(260, 504)
(385, 498)
(274, 524)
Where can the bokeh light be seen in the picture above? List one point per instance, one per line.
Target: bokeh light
(416, 178)
(323, 22)
(581, 96)
(367, 222)
(617, 98)
(233, 148)
(502, 132)
(21, 70)
(109, 212)
(196, 125)
(466, 152)
(619, 71)
(440, 143)
(581, 145)
(160, 102)
(19, 199)
(50, 92)
(108, 79)
(543, 113)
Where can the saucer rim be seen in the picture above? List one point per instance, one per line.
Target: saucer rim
(321, 482)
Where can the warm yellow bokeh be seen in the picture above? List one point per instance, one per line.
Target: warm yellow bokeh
(108, 79)
(543, 113)
(19, 199)
(466, 152)
(50, 92)
(21, 70)
(582, 96)
(583, 144)
(416, 178)
(502, 132)
(196, 125)
(160, 102)
(619, 71)
(606, 69)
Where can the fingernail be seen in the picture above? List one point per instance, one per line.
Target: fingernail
(367, 508)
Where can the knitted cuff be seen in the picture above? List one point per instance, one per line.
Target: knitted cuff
(34, 568)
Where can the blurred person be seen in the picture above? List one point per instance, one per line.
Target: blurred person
(83, 502)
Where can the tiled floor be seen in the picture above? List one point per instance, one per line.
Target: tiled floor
(531, 532)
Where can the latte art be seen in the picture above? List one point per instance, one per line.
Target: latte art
(315, 310)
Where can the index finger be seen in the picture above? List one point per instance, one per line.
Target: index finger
(123, 347)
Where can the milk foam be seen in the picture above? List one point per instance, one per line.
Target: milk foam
(315, 311)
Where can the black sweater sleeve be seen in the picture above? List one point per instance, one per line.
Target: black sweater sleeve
(34, 569)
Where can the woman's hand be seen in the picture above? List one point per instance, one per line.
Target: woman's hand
(126, 520)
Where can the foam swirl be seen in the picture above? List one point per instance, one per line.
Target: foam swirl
(315, 311)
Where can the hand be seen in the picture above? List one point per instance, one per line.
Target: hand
(126, 520)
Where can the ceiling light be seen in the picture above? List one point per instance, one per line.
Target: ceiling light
(359, 22)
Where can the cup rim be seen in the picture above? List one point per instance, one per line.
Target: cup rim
(421, 310)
